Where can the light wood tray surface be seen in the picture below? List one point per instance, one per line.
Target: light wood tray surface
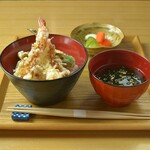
(82, 96)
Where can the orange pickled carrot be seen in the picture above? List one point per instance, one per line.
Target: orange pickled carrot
(100, 36)
(106, 42)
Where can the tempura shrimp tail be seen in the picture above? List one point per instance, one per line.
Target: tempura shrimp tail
(42, 34)
(41, 22)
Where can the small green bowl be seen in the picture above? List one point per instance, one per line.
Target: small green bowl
(114, 34)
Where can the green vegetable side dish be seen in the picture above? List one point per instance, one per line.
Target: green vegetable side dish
(91, 43)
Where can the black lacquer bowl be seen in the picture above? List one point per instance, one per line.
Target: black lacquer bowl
(44, 92)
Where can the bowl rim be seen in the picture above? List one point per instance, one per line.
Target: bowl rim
(72, 74)
(118, 86)
(100, 24)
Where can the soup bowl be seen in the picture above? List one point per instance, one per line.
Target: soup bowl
(44, 92)
(116, 95)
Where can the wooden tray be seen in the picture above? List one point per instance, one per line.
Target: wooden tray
(82, 96)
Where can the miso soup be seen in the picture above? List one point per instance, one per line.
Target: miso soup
(120, 75)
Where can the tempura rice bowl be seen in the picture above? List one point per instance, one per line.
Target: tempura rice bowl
(44, 92)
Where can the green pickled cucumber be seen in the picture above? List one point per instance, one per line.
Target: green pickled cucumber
(91, 43)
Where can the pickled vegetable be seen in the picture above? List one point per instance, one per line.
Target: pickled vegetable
(97, 40)
(91, 43)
